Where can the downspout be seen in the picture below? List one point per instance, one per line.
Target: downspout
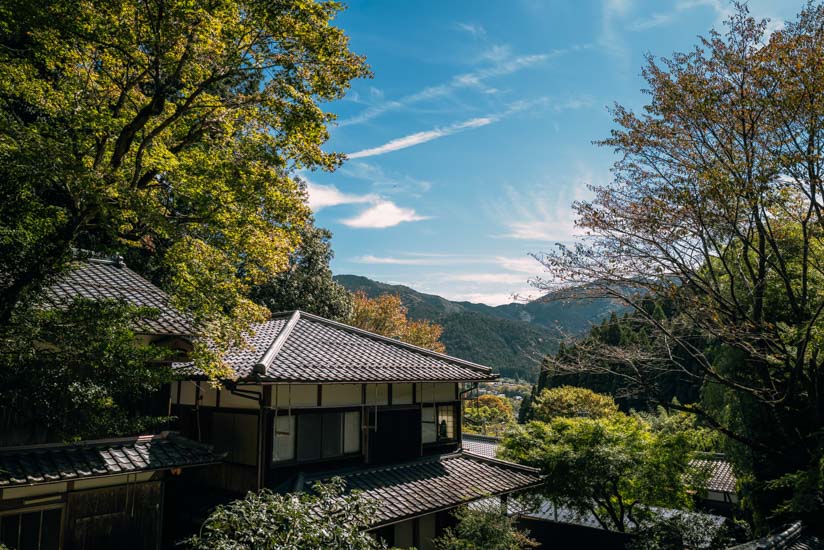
(261, 439)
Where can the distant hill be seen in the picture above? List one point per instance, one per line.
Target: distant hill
(511, 338)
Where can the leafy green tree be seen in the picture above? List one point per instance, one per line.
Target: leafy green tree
(716, 204)
(682, 531)
(488, 413)
(569, 401)
(79, 373)
(483, 529)
(171, 128)
(614, 467)
(324, 518)
(307, 283)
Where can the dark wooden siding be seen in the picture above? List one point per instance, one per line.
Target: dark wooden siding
(124, 517)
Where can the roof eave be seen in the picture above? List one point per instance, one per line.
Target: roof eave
(343, 326)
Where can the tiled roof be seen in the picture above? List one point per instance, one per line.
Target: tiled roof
(795, 537)
(89, 459)
(300, 347)
(480, 444)
(435, 483)
(721, 476)
(97, 279)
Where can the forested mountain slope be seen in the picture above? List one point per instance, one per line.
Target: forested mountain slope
(511, 338)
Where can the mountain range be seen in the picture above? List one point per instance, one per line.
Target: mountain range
(512, 338)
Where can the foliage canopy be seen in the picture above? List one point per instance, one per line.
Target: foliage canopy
(386, 315)
(79, 373)
(716, 205)
(484, 528)
(324, 518)
(169, 129)
(613, 467)
(571, 401)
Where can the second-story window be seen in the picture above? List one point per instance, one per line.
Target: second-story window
(438, 423)
(317, 436)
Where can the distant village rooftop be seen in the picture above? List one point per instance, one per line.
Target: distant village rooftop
(298, 347)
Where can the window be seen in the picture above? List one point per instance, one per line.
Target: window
(438, 423)
(31, 530)
(446, 422)
(429, 430)
(284, 438)
(317, 436)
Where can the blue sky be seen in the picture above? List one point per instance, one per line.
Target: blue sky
(475, 134)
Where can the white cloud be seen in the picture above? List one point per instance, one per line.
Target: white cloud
(655, 20)
(503, 278)
(389, 260)
(384, 182)
(490, 298)
(383, 214)
(322, 196)
(476, 30)
(504, 63)
(421, 137)
(528, 265)
(611, 40)
(380, 214)
(543, 214)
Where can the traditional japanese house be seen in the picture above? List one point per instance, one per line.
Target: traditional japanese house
(314, 398)
(98, 494)
(91, 494)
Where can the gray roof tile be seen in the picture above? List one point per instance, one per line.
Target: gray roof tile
(796, 536)
(720, 475)
(88, 459)
(97, 279)
(480, 444)
(435, 483)
(300, 347)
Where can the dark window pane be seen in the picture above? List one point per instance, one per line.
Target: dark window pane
(30, 531)
(309, 436)
(50, 535)
(332, 435)
(9, 530)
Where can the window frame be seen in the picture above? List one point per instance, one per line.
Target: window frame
(20, 512)
(455, 422)
(342, 411)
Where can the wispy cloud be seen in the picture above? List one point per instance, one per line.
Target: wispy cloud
(502, 278)
(526, 264)
(390, 260)
(421, 137)
(651, 22)
(612, 41)
(542, 214)
(322, 196)
(383, 214)
(475, 29)
(504, 63)
(383, 181)
(484, 278)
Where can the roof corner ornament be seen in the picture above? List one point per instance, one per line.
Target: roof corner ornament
(259, 368)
